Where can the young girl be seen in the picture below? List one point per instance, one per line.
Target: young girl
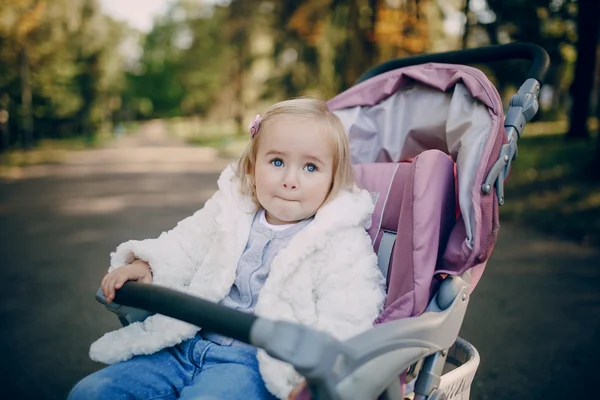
(283, 237)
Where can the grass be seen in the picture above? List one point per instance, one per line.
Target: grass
(47, 151)
(190, 128)
(54, 151)
(550, 188)
(221, 135)
(230, 146)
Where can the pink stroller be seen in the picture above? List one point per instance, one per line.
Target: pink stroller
(429, 140)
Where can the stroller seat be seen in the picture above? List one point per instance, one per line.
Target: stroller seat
(414, 213)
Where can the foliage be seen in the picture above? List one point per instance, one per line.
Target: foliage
(325, 46)
(59, 66)
(179, 69)
(69, 70)
(548, 23)
(548, 189)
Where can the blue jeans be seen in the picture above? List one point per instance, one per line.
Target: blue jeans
(194, 369)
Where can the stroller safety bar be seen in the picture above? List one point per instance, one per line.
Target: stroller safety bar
(359, 368)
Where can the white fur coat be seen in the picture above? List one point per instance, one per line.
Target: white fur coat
(326, 277)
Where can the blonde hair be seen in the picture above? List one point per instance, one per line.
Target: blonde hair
(310, 109)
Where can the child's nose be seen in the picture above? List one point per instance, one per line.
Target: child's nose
(289, 181)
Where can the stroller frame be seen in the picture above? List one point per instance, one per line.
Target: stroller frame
(368, 365)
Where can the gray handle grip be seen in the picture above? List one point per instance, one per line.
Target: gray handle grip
(127, 315)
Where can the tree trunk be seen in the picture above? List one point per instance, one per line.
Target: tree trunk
(465, 35)
(357, 47)
(240, 20)
(240, 106)
(594, 168)
(4, 116)
(588, 20)
(27, 138)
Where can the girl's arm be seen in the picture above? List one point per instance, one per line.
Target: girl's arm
(350, 289)
(175, 255)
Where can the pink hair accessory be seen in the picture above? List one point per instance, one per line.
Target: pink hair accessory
(254, 125)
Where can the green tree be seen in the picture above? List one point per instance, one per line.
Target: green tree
(588, 30)
(548, 23)
(181, 66)
(201, 65)
(321, 46)
(58, 65)
(19, 21)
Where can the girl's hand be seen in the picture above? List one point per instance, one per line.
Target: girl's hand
(136, 271)
(296, 391)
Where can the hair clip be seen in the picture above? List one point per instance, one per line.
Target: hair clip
(254, 125)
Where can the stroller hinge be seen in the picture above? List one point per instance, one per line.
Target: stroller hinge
(500, 169)
(523, 106)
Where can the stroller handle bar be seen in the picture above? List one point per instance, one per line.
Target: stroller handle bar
(361, 367)
(196, 311)
(520, 50)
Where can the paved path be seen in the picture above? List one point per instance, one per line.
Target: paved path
(535, 316)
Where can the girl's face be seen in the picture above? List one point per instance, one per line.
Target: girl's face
(294, 169)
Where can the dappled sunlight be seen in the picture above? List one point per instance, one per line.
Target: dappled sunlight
(115, 204)
(537, 250)
(593, 199)
(140, 155)
(129, 160)
(84, 236)
(579, 202)
(563, 211)
(550, 189)
(106, 205)
(542, 199)
(540, 249)
(537, 175)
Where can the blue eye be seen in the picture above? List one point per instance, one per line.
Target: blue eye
(311, 167)
(277, 162)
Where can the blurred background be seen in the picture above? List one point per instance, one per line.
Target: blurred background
(117, 115)
(75, 73)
